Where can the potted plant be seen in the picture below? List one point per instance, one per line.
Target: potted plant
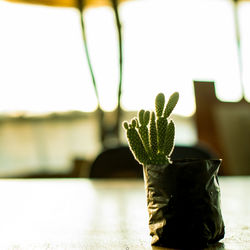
(183, 196)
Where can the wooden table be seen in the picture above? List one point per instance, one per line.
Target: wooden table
(100, 214)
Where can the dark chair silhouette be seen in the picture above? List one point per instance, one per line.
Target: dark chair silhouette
(193, 152)
(120, 163)
(116, 162)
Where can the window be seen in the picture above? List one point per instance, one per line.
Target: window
(167, 44)
(43, 66)
(244, 14)
(170, 43)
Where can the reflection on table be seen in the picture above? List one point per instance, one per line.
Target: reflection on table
(100, 214)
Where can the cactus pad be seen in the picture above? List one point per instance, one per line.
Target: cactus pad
(151, 135)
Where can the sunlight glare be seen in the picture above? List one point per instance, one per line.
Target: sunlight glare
(43, 64)
(244, 14)
(103, 47)
(169, 47)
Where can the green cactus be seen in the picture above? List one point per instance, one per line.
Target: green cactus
(143, 130)
(172, 101)
(161, 126)
(159, 104)
(151, 136)
(169, 139)
(135, 143)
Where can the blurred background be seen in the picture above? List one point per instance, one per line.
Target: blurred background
(53, 123)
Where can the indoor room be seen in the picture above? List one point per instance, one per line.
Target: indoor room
(83, 85)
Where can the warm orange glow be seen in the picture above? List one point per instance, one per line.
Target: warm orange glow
(66, 3)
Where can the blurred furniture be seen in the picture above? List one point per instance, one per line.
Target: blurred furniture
(79, 168)
(197, 151)
(36, 146)
(116, 162)
(119, 162)
(225, 127)
(100, 214)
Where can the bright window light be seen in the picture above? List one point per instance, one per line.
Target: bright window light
(244, 14)
(167, 45)
(103, 46)
(43, 65)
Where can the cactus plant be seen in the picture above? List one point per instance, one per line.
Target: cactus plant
(151, 136)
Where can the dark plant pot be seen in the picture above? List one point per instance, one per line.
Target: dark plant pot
(183, 200)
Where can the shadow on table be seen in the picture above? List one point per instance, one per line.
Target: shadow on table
(217, 246)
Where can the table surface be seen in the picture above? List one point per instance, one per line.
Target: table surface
(100, 214)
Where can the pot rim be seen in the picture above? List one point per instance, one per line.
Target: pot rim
(189, 160)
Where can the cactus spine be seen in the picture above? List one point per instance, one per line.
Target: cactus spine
(143, 130)
(135, 143)
(151, 136)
